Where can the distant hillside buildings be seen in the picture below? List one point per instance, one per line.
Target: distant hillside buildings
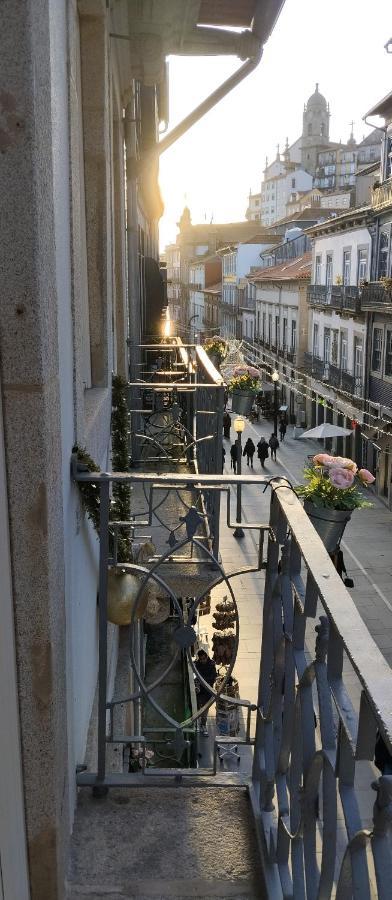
(314, 161)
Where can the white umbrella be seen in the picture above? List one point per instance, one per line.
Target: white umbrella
(326, 430)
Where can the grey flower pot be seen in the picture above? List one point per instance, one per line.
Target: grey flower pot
(329, 523)
(242, 402)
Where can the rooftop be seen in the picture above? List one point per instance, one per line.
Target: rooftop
(348, 217)
(382, 108)
(294, 270)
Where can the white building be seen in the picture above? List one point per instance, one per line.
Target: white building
(277, 188)
(253, 211)
(337, 332)
(237, 260)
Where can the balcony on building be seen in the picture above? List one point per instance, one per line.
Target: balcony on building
(337, 724)
(343, 298)
(377, 295)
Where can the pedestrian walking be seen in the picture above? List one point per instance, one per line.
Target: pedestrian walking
(282, 429)
(249, 451)
(262, 451)
(226, 425)
(274, 444)
(205, 667)
(234, 457)
(223, 458)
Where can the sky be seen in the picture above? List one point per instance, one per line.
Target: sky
(339, 44)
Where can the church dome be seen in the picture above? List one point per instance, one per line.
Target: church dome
(316, 99)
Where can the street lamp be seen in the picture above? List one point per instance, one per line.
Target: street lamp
(239, 425)
(275, 379)
(196, 316)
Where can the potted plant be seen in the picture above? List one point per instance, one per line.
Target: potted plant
(243, 387)
(331, 494)
(216, 349)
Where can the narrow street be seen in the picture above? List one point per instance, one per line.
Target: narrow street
(366, 542)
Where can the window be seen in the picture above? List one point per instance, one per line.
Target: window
(284, 338)
(344, 351)
(346, 266)
(317, 271)
(335, 347)
(362, 265)
(270, 328)
(329, 271)
(258, 323)
(358, 358)
(383, 254)
(277, 330)
(293, 335)
(293, 182)
(327, 344)
(377, 349)
(310, 128)
(315, 339)
(388, 353)
(264, 327)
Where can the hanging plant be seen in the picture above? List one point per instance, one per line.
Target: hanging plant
(121, 503)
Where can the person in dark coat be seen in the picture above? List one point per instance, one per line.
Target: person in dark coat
(234, 457)
(262, 451)
(249, 451)
(205, 667)
(274, 444)
(226, 424)
(282, 429)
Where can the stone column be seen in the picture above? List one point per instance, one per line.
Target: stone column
(32, 428)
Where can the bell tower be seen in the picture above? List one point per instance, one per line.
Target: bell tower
(315, 130)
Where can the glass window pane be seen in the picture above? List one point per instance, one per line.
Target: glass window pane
(388, 353)
(377, 349)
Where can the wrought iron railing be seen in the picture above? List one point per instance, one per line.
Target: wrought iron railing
(375, 294)
(312, 736)
(336, 296)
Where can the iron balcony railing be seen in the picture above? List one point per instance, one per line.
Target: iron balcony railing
(345, 298)
(382, 195)
(333, 374)
(319, 833)
(375, 294)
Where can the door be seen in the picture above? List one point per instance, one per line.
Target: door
(13, 858)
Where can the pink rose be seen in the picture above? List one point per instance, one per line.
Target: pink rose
(322, 459)
(366, 476)
(341, 478)
(342, 462)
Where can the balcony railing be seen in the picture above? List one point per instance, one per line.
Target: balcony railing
(311, 728)
(336, 296)
(335, 376)
(374, 294)
(382, 195)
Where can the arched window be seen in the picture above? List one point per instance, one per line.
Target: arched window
(310, 128)
(322, 131)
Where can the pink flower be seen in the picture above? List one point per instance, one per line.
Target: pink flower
(342, 462)
(366, 476)
(341, 478)
(322, 459)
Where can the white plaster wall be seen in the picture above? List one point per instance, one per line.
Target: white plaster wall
(332, 320)
(334, 244)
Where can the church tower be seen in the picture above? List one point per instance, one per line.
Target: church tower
(315, 130)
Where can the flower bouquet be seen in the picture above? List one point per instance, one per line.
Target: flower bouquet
(243, 385)
(216, 349)
(332, 492)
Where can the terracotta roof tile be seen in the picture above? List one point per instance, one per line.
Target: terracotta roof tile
(291, 270)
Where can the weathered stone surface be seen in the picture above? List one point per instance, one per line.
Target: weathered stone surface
(164, 843)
